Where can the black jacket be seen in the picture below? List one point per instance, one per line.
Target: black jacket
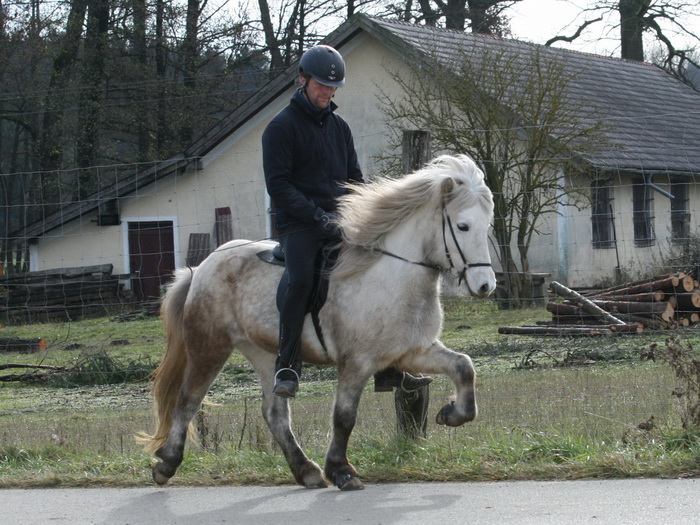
(307, 154)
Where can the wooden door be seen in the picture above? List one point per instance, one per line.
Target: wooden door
(151, 257)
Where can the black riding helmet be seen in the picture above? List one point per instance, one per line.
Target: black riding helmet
(324, 64)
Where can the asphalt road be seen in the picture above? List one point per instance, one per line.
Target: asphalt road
(638, 502)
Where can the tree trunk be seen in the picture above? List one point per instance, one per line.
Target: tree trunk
(48, 147)
(94, 86)
(480, 21)
(140, 18)
(412, 407)
(430, 17)
(163, 135)
(455, 14)
(632, 28)
(189, 52)
(271, 42)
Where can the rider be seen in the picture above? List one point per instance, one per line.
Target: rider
(308, 154)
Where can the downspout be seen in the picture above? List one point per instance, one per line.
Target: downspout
(563, 233)
(648, 182)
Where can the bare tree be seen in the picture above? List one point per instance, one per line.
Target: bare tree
(641, 17)
(511, 113)
(481, 16)
(291, 26)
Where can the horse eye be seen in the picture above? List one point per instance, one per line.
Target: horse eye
(463, 227)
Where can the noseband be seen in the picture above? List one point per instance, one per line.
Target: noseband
(460, 276)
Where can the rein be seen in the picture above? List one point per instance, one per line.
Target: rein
(461, 276)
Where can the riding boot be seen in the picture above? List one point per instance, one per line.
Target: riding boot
(390, 378)
(287, 367)
(286, 379)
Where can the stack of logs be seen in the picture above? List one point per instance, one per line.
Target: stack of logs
(660, 303)
(58, 294)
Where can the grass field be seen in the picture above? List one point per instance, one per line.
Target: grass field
(550, 408)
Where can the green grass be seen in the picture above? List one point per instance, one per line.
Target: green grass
(550, 408)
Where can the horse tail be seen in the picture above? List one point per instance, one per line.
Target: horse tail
(168, 377)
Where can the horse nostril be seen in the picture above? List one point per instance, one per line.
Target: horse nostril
(485, 289)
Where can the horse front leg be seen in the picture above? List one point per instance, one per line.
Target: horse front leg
(347, 399)
(305, 471)
(438, 359)
(278, 418)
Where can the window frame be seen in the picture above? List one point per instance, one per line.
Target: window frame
(603, 233)
(680, 211)
(643, 213)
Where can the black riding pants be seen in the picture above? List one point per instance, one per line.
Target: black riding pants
(303, 246)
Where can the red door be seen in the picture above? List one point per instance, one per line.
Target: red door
(151, 256)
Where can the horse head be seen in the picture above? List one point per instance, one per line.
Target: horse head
(467, 211)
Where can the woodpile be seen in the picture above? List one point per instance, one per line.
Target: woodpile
(59, 294)
(660, 303)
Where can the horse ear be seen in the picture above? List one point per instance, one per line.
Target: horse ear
(448, 186)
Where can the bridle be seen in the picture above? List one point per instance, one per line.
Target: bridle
(460, 276)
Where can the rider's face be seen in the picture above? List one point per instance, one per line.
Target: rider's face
(318, 94)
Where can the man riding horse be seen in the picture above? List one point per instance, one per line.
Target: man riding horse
(308, 156)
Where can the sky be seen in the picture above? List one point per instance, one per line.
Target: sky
(538, 20)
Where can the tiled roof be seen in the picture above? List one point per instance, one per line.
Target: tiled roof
(654, 118)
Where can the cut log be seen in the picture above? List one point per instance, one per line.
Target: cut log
(648, 322)
(630, 328)
(677, 282)
(564, 309)
(687, 301)
(616, 290)
(637, 298)
(585, 303)
(646, 308)
(581, 319)
(570, 330)
(56, 273)
(22, 346)
(685, 284)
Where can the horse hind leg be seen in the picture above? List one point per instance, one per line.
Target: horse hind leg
(277, 416)
(200, 373)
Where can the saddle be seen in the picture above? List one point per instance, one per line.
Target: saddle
(320, 291)
(273, 256)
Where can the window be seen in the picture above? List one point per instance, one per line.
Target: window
(642, 213)
(680, 216)
(602, 215)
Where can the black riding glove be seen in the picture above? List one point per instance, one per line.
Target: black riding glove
(326, 222)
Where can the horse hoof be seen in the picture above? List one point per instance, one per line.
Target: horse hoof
(315, 482)
(348, 482)
(446, 415)
(159, 476)
(311, 476)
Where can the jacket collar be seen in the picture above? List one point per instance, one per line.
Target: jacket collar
(318, 115)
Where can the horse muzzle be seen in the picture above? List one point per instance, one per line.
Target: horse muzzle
(480, 279)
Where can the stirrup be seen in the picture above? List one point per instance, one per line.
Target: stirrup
(287, 370)
(286, 387)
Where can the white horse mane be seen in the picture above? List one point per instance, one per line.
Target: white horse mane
(369, 212)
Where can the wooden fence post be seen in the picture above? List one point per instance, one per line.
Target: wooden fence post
(412, 407)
